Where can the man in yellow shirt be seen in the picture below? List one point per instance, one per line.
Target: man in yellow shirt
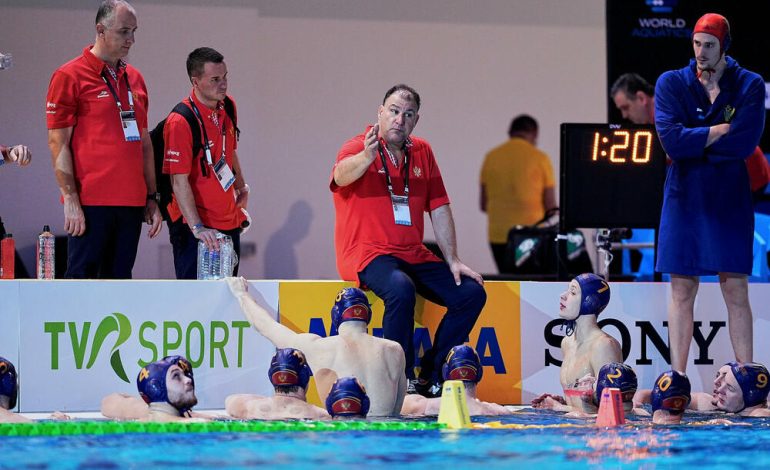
(517, 184)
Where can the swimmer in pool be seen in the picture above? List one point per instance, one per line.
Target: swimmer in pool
(289, 374)
(585, 348)
(9, 392)
(167, 391)
(349, 350)
(742, 388)
(739, 388)
(347, 399)
(462, 363)
(670, 397)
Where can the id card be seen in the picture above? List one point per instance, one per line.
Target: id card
(130, 129)
(224, 174)
(401, 210)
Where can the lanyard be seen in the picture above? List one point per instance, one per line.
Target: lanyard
(387, 173)
(115, 95)
(206, 137)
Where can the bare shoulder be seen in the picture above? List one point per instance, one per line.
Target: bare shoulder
(414, 405)
(606, 344)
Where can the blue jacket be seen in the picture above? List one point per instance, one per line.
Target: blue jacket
(707, 220)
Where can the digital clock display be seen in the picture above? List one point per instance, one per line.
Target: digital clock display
(611, 176)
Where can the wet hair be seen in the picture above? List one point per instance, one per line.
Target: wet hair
(522, 123)
(106, 12)
(630, 83)
(199, 58)
(287, 388)
(405, 88)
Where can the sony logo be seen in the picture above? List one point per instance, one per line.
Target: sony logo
(646, 334)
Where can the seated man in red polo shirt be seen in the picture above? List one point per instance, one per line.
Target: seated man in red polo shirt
(383, 182)
(96, 110)
(210, 194)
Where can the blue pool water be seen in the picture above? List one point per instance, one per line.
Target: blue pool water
(636, 445)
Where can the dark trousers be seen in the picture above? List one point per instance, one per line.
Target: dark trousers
(498, 251)
(396, 282)
(185, 247)
(107, 249)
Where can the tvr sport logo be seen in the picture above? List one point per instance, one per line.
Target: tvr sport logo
(197, 341)
(116, 323)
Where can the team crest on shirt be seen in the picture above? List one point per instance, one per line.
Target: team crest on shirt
(417, 171)
(729, 113)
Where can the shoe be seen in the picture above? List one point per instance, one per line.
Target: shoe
(427, 389)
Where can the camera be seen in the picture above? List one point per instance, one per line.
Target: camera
(6, 61)
(613, 234)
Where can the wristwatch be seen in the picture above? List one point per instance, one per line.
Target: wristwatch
(154, 197)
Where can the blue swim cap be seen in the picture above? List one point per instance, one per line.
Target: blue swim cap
(8, 382)
(671, 393)
(594, 294)
(289, 367)
(351, 305)
(151, 381)
(462, 363)
(347, 398)
(753, 379)
(616, 375)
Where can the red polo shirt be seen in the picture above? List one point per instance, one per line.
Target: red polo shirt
(216, 207)
(365, 227)
(108, 170)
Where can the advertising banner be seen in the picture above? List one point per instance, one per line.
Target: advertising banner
(637, 317)
(305, 307)
(81, 340)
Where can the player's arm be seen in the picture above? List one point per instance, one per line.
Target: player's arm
(350, 169)
(61, 157)
(278, 334)
(679, 142)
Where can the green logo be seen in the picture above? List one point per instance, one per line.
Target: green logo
(116, 323)
(198, 342)
(119, 323)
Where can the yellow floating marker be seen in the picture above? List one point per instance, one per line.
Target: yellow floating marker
(454, 409)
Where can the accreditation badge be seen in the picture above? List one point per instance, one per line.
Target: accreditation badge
(130, 129)
(224, 174)
(401, 210)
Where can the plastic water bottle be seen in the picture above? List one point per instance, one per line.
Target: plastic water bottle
(46, 254)
(7, 257)
(216, 264)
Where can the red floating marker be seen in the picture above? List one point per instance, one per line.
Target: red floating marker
(611, 408)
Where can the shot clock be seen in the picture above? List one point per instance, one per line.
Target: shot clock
(611, 176)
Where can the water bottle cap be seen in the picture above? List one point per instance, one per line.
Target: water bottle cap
(8, 235)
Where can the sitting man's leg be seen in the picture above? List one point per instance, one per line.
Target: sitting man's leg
(464, 303)
(385, 277)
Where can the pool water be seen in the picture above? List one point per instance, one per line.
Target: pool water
(636, 445)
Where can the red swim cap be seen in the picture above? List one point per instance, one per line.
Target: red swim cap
(715, 25)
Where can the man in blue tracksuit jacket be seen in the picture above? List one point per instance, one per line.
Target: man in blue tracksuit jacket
(709, 117)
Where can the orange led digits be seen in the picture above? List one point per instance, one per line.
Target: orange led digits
(647, 148)
(596, 146)
(620, 147)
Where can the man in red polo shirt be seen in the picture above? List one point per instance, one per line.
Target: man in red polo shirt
(382, 183)
(210, 194)
(96, 110)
